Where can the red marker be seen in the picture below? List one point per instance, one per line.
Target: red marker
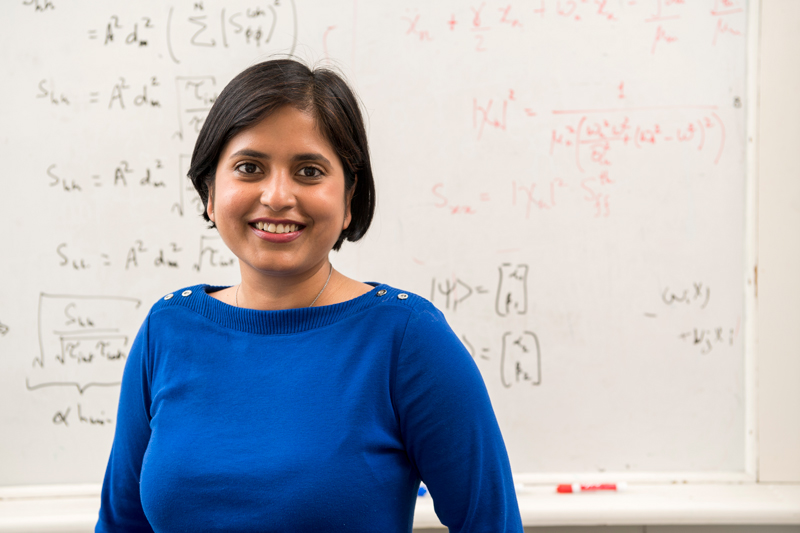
(565, 489)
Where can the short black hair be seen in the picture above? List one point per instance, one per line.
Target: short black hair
(262, 89)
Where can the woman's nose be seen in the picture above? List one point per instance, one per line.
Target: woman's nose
(278, 192)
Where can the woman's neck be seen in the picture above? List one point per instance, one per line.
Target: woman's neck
(272, 293)
(268, 292)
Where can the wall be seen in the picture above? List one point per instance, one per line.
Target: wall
(779, 242)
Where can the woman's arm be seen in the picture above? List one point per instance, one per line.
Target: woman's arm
(450, 430)
(121, 507)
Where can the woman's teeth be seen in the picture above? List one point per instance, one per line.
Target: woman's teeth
(276, 228)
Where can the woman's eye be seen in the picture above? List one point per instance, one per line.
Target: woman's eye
(310, 172)
(247, 168)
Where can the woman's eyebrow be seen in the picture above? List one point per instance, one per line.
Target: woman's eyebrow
(311, 157)
(247, 152)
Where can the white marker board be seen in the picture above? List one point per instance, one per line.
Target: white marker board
(565, 179)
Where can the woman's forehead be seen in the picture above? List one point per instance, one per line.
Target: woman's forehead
(287, 129)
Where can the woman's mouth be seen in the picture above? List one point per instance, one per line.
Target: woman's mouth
(276, 228)
(277, 232)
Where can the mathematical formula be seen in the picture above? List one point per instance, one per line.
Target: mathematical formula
(202, 26)
(210, 253)
(517, 353)
(478, 25)
(696, 296)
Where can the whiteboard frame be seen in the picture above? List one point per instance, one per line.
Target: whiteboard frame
(751, 241)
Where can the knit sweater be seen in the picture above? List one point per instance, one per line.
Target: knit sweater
(315, 419)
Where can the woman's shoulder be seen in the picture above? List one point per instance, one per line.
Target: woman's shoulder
(183, 297)
(401, 297)
(421, 314)
(176, 296)
(426, 334)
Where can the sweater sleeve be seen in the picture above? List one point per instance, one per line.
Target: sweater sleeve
(450, 430)
(121, 507)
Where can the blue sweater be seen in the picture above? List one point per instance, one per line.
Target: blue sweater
(317, 419)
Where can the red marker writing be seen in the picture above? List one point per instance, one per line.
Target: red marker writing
(565, 489)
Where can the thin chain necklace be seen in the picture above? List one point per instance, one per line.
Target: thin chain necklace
(236, 296)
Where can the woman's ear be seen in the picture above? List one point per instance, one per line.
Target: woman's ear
(348, 216)
(210, 205)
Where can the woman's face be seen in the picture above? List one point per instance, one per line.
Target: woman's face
(279, 199)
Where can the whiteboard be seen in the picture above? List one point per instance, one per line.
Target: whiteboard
(565, 179)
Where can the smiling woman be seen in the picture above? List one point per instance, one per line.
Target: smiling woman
(280, 202)
(291, 144)
(251, 407)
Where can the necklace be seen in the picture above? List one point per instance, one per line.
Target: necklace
(236, 295)
(323, 287)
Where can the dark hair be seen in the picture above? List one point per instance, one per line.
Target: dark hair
(266, 87)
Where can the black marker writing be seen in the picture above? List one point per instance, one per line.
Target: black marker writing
(520, 359)
(512, 290)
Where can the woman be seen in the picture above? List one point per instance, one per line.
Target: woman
(299, 399)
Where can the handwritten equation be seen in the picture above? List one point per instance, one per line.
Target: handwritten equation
(519, 355)
(211, 253)
(706, 339)
(81, 415)
(697, 295)
(591, 138)
(119, 94)
(39, 6)
(83, 341)
(479, 25)
(199, 26)
(125, 177)
(120, 176)
(193, 95)
(511, 294)
(599, 146)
